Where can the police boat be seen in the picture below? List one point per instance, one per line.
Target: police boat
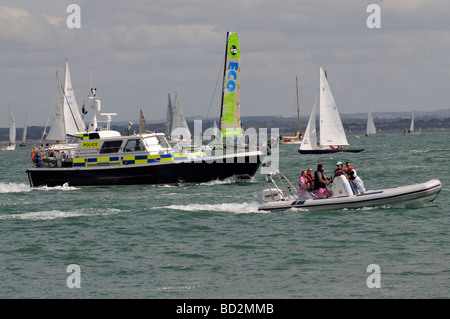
(282, 195)
(106, 158)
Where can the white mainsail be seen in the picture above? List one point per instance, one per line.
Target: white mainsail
(143, 128)
(331, 130)
(411, 127)
(230, 119)
(370, 129)
(24, 134)
(72, 117)
(12, 127)
(309, 141)
(169, 119)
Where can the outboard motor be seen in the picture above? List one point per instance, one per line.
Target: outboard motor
(272, 195)
(341, 187)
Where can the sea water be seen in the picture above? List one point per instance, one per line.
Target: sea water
(210, 241)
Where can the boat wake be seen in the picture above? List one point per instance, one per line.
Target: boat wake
(64, 187)
(242, 208)
(25, 188)
(56, 214)
(14, 188)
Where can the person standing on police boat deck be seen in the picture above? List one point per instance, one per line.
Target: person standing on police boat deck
(320, 183)
(304, 188)
(339, 169)
(355, 179)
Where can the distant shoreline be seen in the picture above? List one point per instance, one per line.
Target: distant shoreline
(286, 125)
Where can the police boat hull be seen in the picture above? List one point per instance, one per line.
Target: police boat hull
(162, 173)
(418, 193)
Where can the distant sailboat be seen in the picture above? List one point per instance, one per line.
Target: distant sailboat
(143, 128)
(298, 138)
(24, 135)
(370, 129)
(332, 134)
(177, 129)
(12, 132)
(411, 127)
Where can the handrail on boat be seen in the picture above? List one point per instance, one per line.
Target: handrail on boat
(287, 189)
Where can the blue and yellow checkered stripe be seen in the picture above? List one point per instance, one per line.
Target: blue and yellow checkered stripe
(83, 136)
(126, 160)
(144, 159)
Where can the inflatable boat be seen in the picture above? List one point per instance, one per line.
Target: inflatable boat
(282, 195)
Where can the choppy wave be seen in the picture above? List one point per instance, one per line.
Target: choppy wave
(243, 208)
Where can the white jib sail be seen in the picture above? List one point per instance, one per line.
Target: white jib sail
(58, 129)
(309, 141)
(331, 129)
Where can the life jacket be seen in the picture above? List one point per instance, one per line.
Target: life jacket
(317, 183)
(309, 180)
(352, 175)
(33, 152)
(339, 172)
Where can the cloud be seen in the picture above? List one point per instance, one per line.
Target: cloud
(138, 50)
(411, 5)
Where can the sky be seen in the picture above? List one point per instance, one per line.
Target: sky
(135, 52)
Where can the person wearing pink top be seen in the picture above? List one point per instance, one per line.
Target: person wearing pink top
(304, 187)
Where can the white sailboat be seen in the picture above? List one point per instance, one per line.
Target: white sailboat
(332, 136)
(177, 129)
(24, 134)
(411, 130)
(370, 129)
(12, 132)
(297, 139)
(67, 120)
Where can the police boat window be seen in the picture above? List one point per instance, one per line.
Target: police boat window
(163, 141)
(152, 144)
(110, 147)
(134, 146)
(94, 136)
